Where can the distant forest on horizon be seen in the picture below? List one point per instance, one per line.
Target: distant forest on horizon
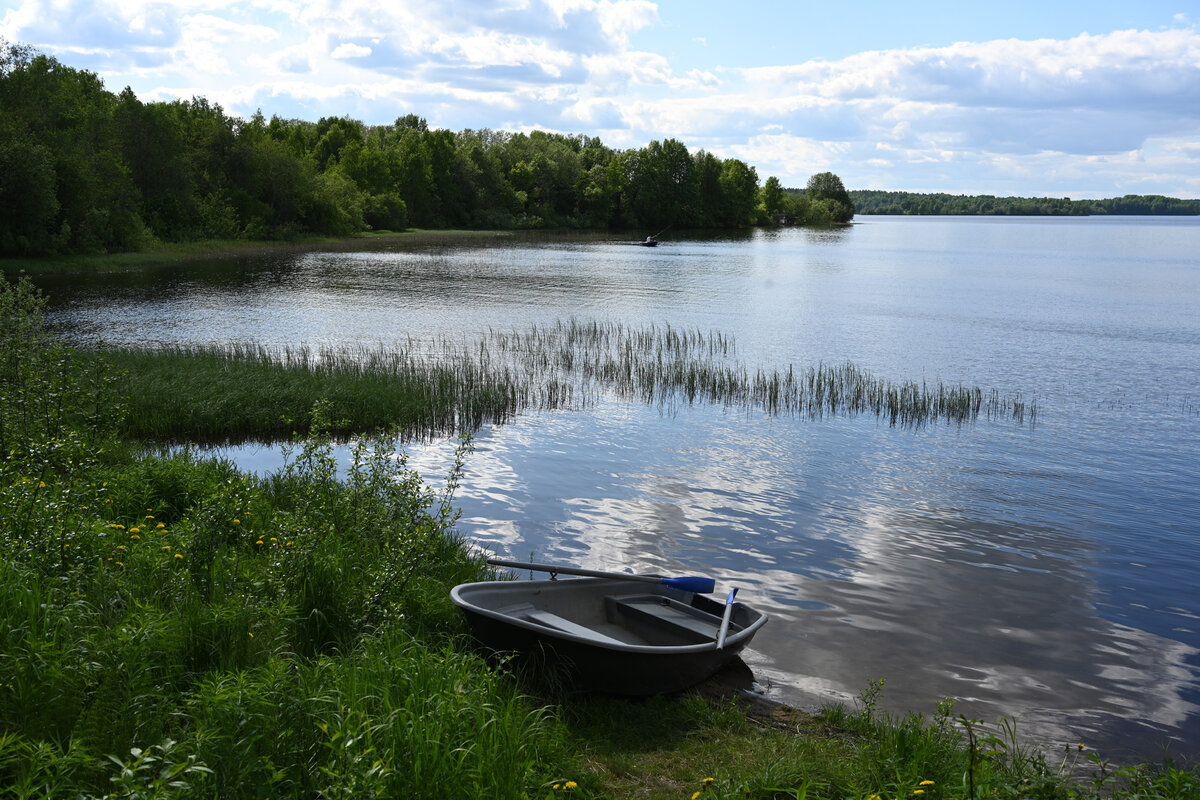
(873, 201)
(83, 170)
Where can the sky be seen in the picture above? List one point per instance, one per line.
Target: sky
(1054, 98)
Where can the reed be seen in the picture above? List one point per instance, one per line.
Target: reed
(441, 385)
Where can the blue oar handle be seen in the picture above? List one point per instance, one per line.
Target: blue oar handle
(694, 584)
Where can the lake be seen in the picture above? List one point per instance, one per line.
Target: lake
(1044, 571)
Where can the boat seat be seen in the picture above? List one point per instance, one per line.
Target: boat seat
(671, 614)
(551, 620)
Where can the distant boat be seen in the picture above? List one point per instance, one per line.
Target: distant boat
(611, 635)
(649, 242)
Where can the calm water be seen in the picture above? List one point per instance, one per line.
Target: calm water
(1048, 572)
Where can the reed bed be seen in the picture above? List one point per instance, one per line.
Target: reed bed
(440, 385)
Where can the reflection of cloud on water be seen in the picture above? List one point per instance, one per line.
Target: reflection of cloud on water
(1003, 620)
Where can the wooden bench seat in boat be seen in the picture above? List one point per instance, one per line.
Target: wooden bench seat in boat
(551, 620)
(671, 616)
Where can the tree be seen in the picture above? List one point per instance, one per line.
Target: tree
(772, 199)
(827, 186)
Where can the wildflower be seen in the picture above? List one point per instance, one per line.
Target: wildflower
(259, 541)
(117, 527)
(120, 547)
(1081, 747)
(289, 544)
(179, 556)
(134, 537)
(273, 539)
(250, 634)
(41, 484)
(707, 781)
(695, 796)
(918, 791)
(149, 516)
(135, 530)
(926, 783)
(120, 563)
(167, 547)
(160, 526)
(570, 786)
(237, 521)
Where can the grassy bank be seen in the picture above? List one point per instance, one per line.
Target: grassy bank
(170, 627)
(163, 253)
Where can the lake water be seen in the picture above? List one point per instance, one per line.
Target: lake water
(1048, 572)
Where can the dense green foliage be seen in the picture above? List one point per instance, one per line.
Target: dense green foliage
(170, 626)
(83, 170)
(881, 202)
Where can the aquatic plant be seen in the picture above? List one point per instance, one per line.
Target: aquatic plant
(443, 384)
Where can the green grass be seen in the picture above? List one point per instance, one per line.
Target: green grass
(428, 388)
(171, 627)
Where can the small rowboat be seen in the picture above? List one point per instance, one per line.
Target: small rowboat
(612, 635)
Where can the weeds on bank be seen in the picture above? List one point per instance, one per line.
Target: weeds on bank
(171, 627)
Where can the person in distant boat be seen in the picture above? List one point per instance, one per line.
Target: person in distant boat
(650, 241)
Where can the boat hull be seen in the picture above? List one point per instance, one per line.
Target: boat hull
(610, 636)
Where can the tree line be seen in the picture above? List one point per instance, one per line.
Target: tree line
(869, 201)
(86, 170)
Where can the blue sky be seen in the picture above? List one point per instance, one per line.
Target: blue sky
(1079, 99)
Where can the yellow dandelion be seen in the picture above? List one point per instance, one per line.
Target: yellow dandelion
(1081, 746)
(160, 525)
(570, 786)
(117, 527)
(918, 791)
(135, 530)
(237, 521)
(179, 556)
(149, 516)
(707, 781)
(120, 547)
(926, 783)
(135, 537)
(41, 484)
(120, 563)
(259, 541)
(273, 539)
(695, 796)
(289, 544)
(167, 547)
(250, 634)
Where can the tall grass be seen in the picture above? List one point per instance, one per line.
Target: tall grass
(446, 385)
(170, 626)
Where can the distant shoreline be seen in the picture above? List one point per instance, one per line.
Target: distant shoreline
(871, 202)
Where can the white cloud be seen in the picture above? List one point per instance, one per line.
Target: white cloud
(350, 50)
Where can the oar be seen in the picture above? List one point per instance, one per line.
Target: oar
(688, 583)
(725, 619)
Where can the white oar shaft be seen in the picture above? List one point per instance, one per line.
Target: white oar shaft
(586, 573)
(725, 619)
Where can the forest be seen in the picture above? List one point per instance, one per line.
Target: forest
(83, 170)
(867, 201)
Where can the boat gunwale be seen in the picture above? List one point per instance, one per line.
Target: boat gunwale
(733, 642)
